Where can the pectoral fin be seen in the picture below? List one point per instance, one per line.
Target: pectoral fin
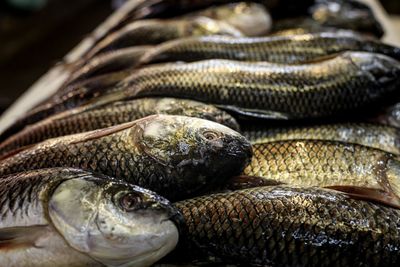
(244, 182)
(17, 237)
(255, 113)
(369, 194)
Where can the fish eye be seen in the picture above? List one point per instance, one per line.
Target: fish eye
(210, 135)
(130, 201)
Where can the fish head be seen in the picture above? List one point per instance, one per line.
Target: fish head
(197, 153)
(113, 222)
(190, 108)
(383, 69)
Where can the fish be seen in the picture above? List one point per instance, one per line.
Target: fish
(288, 226)
(377, 136)
(293, 49)
(67, 97)
(69, 217)
(87, 118)
(347, 14)
(389, 116)
(174, 156)
(366, 172)
(251, 19)
(351, 81)
(155, 31)
(107, 62)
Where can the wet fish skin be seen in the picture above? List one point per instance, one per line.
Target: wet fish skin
(85, 119)
(353, 15)
(367, 134)
(328, 164)
(107, 62)
(277, 49)
(175, 156)
(37, 227)
(155, 31)
(252, 19)
(319, 89)
(289, 226)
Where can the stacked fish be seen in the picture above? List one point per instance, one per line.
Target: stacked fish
(205, 132)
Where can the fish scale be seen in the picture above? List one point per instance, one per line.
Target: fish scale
(145, 152)
(282, 226)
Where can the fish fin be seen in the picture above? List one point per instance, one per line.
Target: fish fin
(369, 194)
(15, 151)
(244, 182)
(14, 237)
(255, 113)
(103, 132)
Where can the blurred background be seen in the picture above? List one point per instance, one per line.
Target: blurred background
(36, 34)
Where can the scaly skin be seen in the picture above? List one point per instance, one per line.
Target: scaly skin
(326, 164)
(155, 31)
(283, 226)
(277, 49)
(372, 135)
(174, 156)
(88, 118)
(350, 81)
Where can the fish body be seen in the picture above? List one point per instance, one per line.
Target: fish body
(277, 49)
(289, 226)
(353, 15)
(350, 81)
(252, 19)
(107, 62)
(85, 118)
(372, 135)
(389, 116)
(175, 156)
(68, 217)
(155, 31)
(371, 172)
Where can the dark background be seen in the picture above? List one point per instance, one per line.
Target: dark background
(32, 39)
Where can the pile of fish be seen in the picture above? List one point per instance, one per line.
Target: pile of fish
(213, 132)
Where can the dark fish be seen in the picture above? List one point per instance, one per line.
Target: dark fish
(372, 135)
(346, 14)
(175, 156)
(276, 49)
(283, 226)
(87, 118)
(389, 116)
(69, 217)
(350, 81)
(155, 31)
(109, 62)
(358, 170)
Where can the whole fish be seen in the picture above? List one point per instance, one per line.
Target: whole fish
(283, 226)
(389, 116)
(87, 118)
(175, 156)
(372, 135)
(155, 31)
(358, 170)
(108, 62)
(350, 81)
(252, 19)
(277, 49)
(69, 217)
